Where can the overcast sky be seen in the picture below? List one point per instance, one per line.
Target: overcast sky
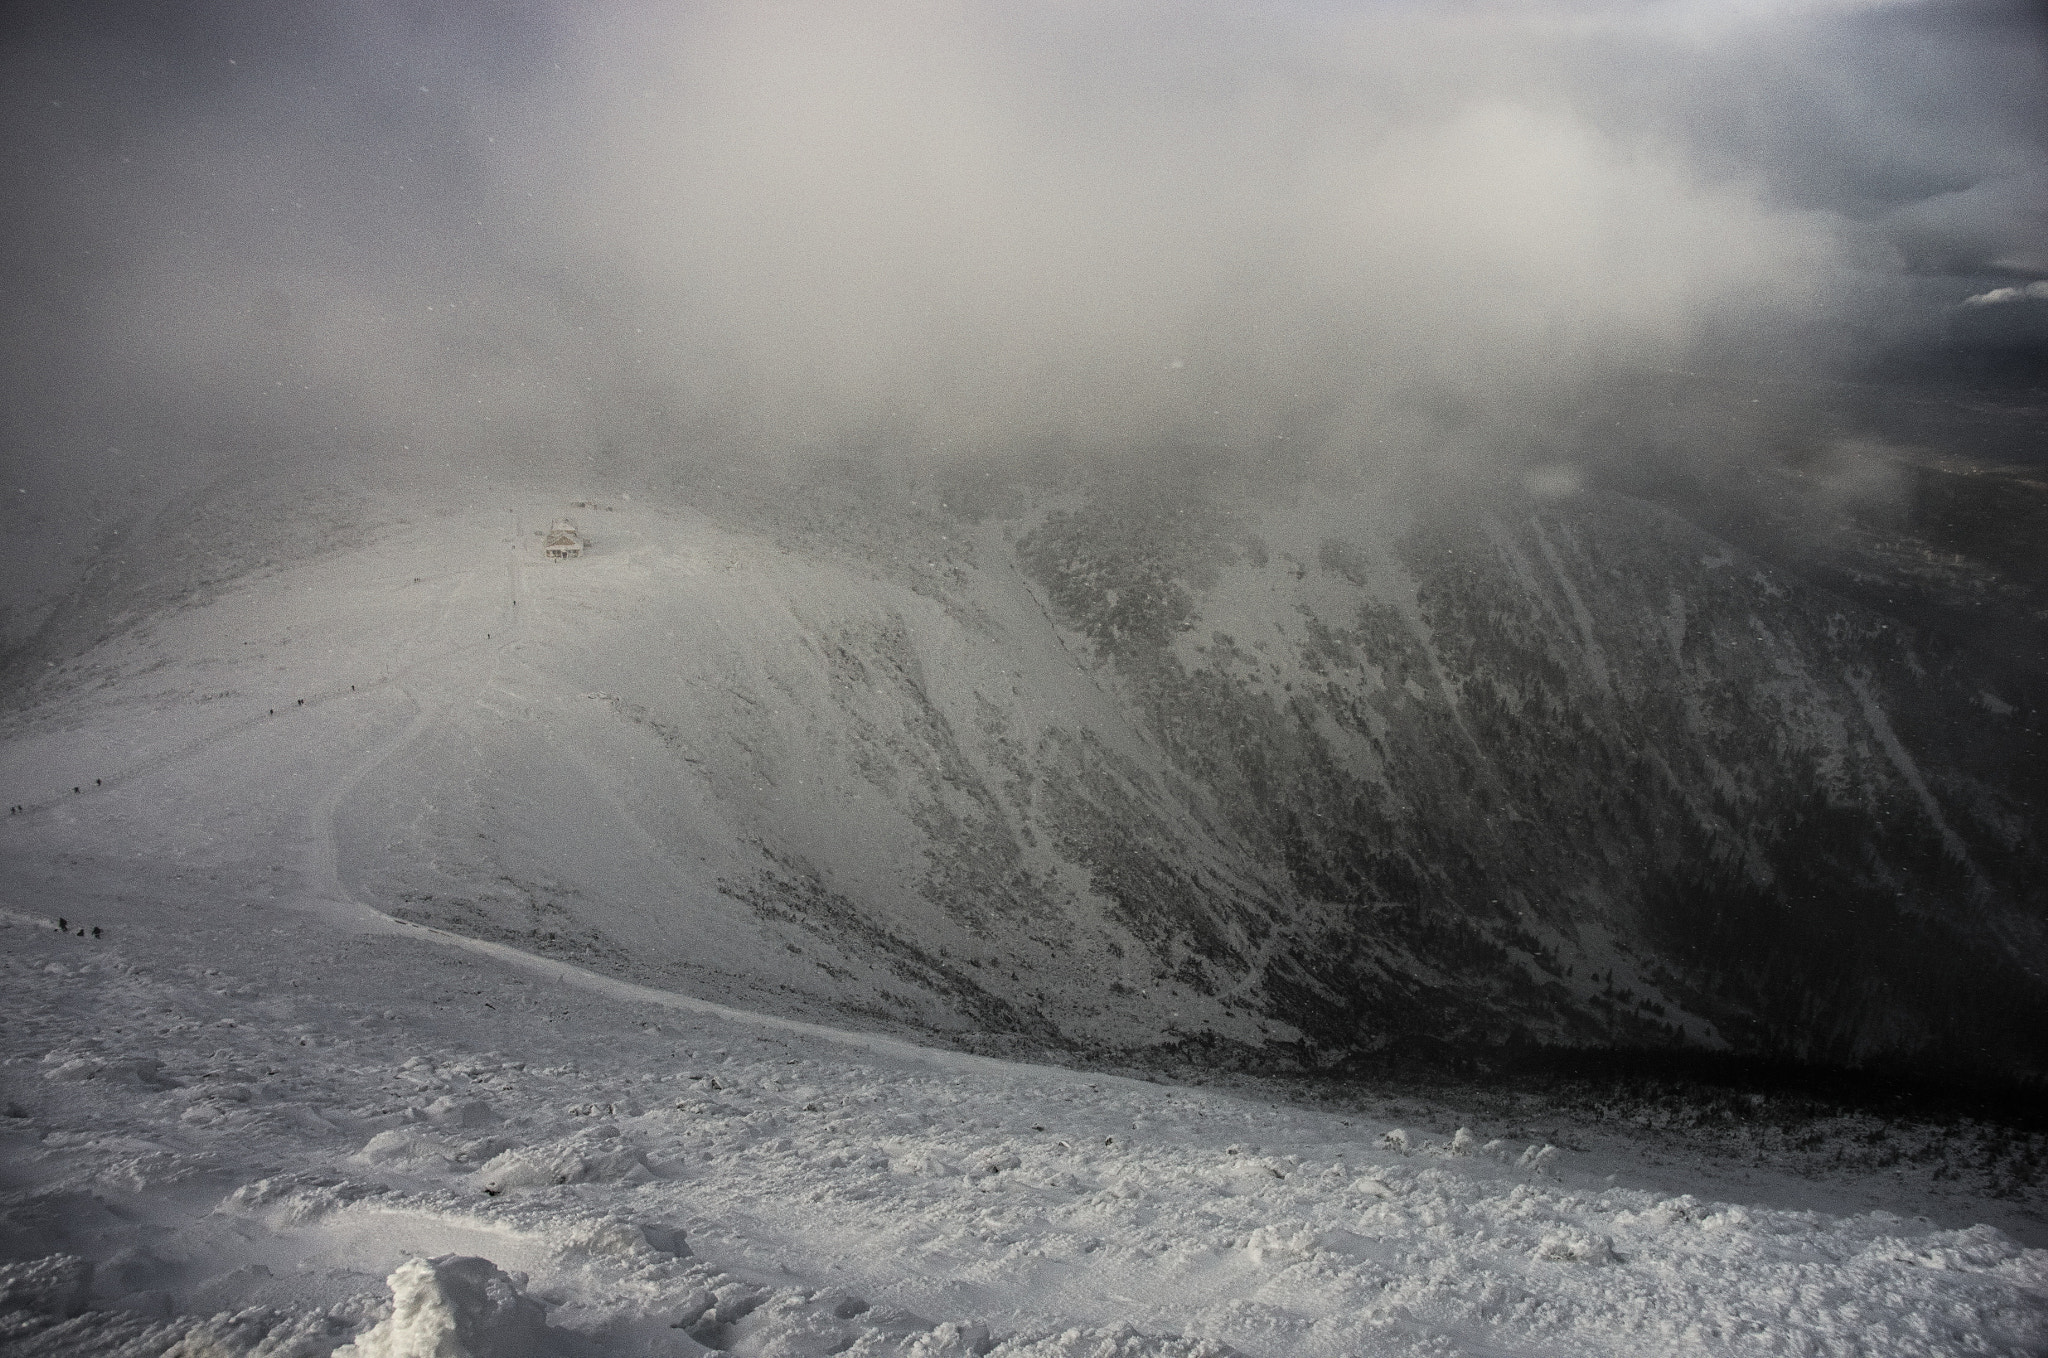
(503, 235)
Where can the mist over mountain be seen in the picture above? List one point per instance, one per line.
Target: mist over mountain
(1302, 532)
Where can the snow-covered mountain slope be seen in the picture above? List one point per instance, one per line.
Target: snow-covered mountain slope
(857, 775)
(228, 1120)
(1578, 769)
(1332, 772)
(692, 756)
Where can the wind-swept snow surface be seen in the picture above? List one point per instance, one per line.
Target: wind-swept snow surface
(228, 1124)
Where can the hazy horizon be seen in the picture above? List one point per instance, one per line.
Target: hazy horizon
(526, 237)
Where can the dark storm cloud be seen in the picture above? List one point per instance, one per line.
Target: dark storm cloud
(431, 239)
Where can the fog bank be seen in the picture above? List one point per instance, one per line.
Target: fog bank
(395, 241)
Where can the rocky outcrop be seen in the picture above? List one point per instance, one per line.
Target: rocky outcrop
(1575, 771)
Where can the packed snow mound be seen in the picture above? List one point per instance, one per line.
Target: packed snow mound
(457, 1306)
(596, 1157)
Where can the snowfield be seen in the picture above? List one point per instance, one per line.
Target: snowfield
(226, 1128)
(249, 1112)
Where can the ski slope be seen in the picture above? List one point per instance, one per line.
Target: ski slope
(267, 1081)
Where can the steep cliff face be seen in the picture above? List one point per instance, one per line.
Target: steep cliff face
(1331, 772)
(1577, 769)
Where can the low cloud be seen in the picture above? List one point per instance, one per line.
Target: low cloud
(550, 240)
(961, 229)
(2000, 224)
(2028, 292)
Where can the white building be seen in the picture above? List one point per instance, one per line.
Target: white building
(563, 541)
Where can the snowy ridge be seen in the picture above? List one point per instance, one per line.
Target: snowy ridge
(1328, 776)
(686, 725)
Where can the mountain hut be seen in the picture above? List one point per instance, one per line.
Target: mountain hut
(563, 541)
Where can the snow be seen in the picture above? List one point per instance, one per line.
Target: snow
(227, 1133)
(256, 1115)
(455, 1307)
